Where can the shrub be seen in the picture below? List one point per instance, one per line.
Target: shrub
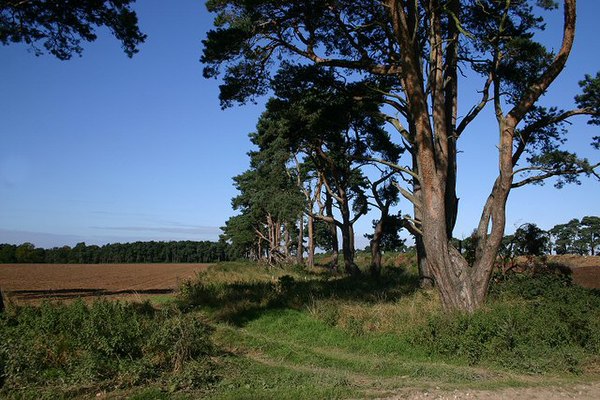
(532, 324)
(106, 341)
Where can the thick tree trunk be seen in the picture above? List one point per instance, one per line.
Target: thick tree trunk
(335, 247)
(426, 280)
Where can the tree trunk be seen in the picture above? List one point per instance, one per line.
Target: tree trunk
(310, 261)
(426, 280)
(287, 241)
(335, 245)
(348, 240)
(300, 250)
(1, 301)
(375, 268)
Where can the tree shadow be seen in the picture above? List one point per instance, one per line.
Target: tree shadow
(239, 303)
(66, 294)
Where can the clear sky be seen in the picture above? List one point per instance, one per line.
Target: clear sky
(104, 148)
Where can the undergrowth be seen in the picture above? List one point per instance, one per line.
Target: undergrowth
(112, 344)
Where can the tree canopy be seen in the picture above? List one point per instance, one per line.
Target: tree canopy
(61, 26)
(411, 55)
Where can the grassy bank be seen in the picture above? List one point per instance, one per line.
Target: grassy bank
(247, 331)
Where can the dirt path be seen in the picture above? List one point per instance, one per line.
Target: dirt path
(34, 282)
(581, 392)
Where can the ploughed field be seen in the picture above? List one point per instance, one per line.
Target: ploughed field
(585, 269)
(34, 282)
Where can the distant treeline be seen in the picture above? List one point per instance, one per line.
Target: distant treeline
(137, 252)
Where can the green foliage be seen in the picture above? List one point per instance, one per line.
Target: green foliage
(529, 239)
(577, 237)
(533, 324)
(590, 98)
(61, 26)
(124, 344)
(391, 240)
(137, 252)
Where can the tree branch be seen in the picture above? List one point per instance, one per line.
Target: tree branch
(557, 65)
(526, 132)
(551, 173)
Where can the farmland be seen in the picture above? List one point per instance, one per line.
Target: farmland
(33, 282)
(30, 283)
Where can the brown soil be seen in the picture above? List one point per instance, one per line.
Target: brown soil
(34, 282)
(585, 269)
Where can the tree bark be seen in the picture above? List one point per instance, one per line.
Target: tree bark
(310, 258)
(300, 250)
(375, 268)
(335, 246)
(347, 238)
(426, 280)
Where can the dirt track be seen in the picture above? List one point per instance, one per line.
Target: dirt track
(581, 392)
(32, 282)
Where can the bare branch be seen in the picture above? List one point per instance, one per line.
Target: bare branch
(411, 225)
(399, 127)
(408, 196)
(392, 165)
(475, 110)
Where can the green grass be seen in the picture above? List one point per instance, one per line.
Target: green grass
(243, 330)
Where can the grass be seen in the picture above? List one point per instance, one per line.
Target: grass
(290, 333)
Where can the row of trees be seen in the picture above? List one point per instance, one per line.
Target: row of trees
(346, 67)
(340, 70)
(137, 252)
(315, 171)
(574, 237)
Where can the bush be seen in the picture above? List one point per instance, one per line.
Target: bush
(126, 344)
(532, 324)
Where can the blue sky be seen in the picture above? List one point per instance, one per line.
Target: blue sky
(104, 148)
